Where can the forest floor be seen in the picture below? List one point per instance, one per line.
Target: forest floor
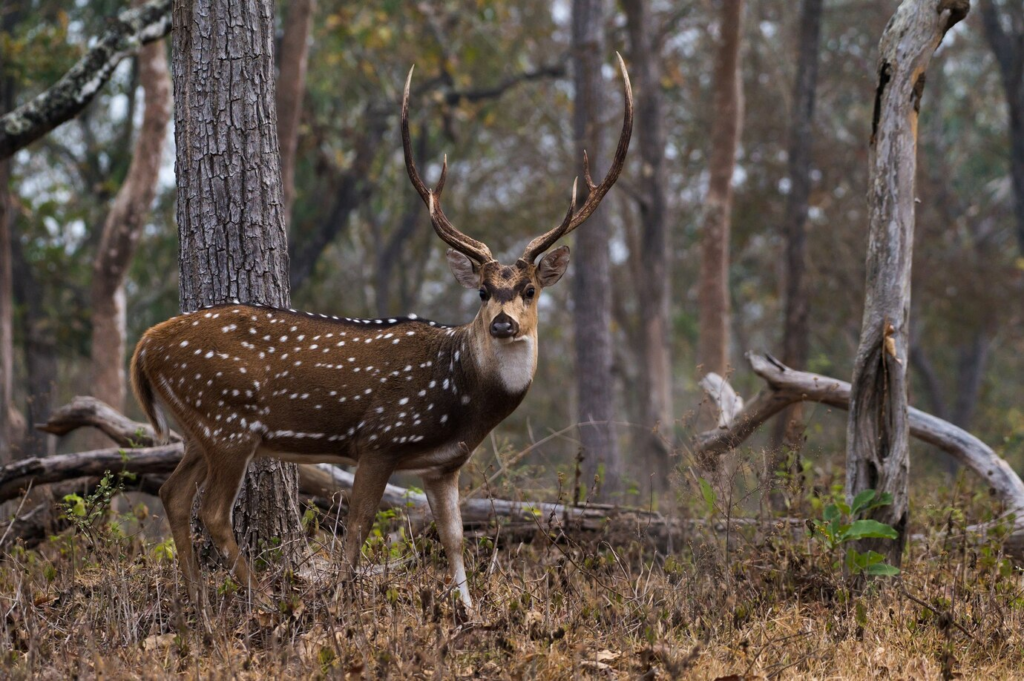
(99, 602)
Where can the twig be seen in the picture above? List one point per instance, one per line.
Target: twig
(941, 613)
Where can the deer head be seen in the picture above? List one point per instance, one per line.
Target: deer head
(509, 293)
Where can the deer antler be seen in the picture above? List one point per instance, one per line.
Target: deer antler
(596, 193)
(467, 245)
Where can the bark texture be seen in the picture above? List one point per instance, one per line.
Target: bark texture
(291, 86)
(592, 278)
(125, 34)
(230, 213)
(878, 430)
(653, 283)
(123, 227)
(796, 329)
(726, 124)
(1005, 34)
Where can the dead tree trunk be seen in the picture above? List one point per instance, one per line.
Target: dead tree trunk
(592, 278)
(230, 213)
(653, 281)
(726, 124)
(878, 431)
(124, 226)
(796, 328)
(291, 86)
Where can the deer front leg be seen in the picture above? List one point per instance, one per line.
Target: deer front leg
(367, 489)
(443, 495)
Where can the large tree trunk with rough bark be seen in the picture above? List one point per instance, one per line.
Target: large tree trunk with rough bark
(726, 124)
(291, 86)
(123, 227)
(653, 284)
(230, 212)
(796, 327)
(592, 277)
(878, 430)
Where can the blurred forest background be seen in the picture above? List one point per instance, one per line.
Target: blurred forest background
(494, 91)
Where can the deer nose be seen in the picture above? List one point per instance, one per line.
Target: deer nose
(504, 326)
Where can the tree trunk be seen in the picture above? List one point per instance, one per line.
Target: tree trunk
(971, 358)
(1008, 49)
(592, 280)
(796, 329)
(291, 86)
(653, 282)
(726, 124)
(39, 332)
(230, 213)
(123, 227)
(6, 278)
(878, 431)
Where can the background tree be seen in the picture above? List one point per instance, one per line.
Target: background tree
(591, 283)
(652, 256)
(796, 319)
(291, 88)
(230, 213)
(726, 126)
(1004, 30)
(123, 227)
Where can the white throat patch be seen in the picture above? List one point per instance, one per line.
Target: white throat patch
(516, 362)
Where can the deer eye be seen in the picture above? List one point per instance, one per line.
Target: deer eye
(484, 295)
(530, 293)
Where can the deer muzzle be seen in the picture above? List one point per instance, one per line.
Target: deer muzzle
(504, 327)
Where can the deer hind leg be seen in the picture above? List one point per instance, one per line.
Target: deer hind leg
(223, 482)
(367, 489)
(443, 495)
(177, 495)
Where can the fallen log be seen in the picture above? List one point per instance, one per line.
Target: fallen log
(316, 480)
(84, 411)
(786, 386)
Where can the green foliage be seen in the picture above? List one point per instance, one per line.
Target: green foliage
(86, 513)
(839, 527)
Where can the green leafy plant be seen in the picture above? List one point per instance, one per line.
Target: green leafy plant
(85, 513)
(840, 526)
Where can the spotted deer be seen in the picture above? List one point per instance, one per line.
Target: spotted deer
(396, 394)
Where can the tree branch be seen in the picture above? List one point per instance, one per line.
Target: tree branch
(787, 386)
(132, 29)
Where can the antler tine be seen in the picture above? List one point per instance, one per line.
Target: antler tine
(597, 192)
(545, 241)
(471, 247)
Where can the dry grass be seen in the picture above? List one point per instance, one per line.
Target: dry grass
(99, 603)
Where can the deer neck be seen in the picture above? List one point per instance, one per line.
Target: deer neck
(507, 364)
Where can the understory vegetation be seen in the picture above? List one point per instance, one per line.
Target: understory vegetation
(719, 596)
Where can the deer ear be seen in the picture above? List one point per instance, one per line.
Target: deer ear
(464, 269)
(553, 265)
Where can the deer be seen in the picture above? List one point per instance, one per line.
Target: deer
(394, 394)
